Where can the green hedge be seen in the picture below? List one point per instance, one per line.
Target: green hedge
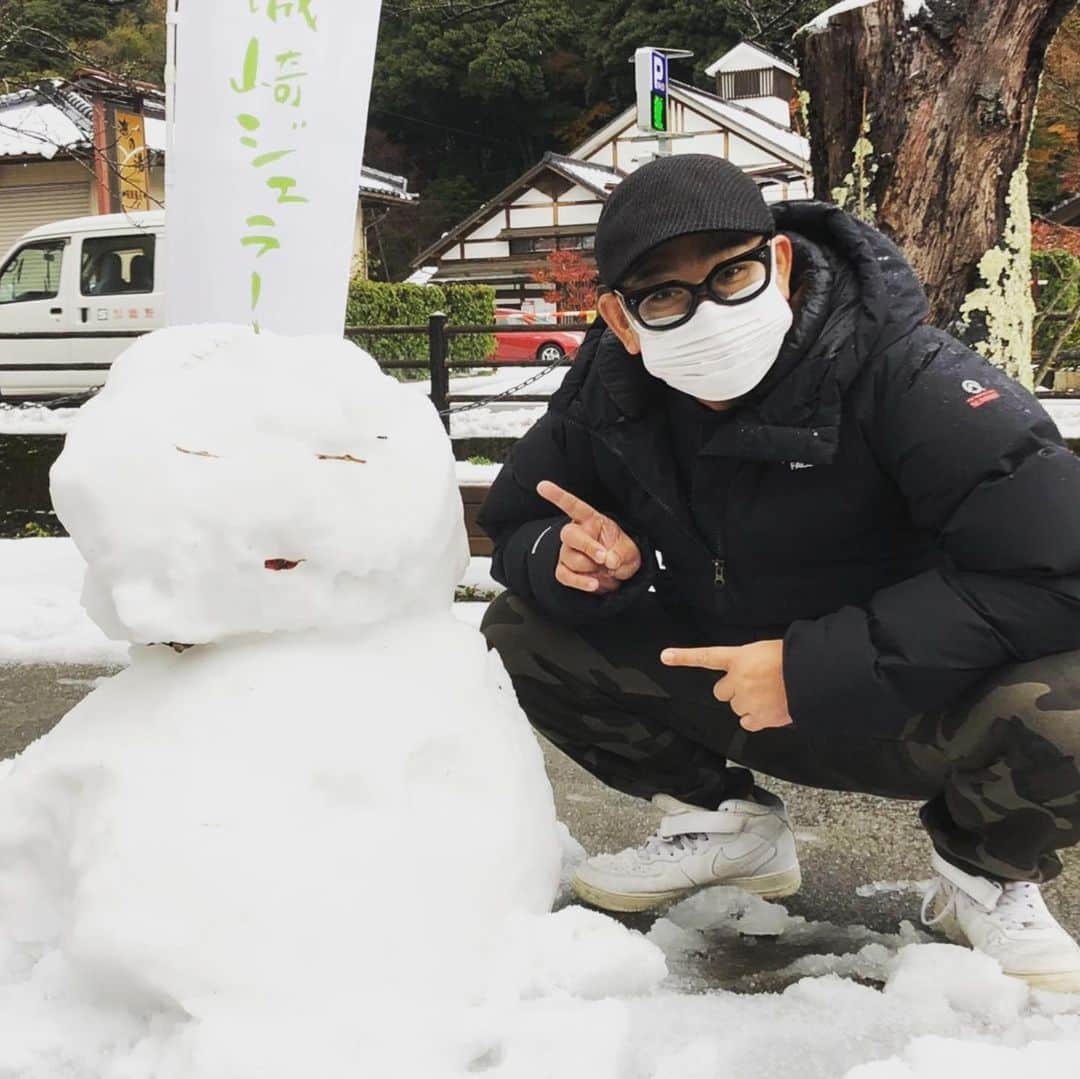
(375, 303)
(1061, 293)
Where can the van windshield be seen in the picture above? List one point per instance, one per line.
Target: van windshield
(33, 272)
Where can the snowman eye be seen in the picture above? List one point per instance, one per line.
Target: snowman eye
(198, 453)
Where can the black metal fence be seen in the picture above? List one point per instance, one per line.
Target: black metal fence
(438, 367)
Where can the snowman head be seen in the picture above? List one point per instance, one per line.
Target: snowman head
(228, 483)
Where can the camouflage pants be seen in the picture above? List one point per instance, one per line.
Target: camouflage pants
(996, 769)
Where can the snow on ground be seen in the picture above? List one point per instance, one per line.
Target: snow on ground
(495, 422)
(41, 616)
(499, 380)
(478, 575)
(1066, 414)
(35, 420)
(598, 1001)
(477, 475)
(501, 420)
(943, 1011)
(892, 887)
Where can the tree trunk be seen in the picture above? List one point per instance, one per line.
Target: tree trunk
(921, 125)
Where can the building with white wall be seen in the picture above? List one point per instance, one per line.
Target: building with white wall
(556, 205)
(59, 147)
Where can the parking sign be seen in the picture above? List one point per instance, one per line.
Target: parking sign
(651, 70)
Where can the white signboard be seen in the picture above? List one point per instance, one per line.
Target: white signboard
(651, 81)
(269, 113)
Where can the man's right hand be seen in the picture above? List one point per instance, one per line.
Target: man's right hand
(597, 556)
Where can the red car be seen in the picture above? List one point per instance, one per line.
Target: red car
(547, 345)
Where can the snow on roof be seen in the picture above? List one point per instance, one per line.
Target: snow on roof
(30, 127)
(821, 22)
(422, 276)
(377, 182)
(56, 116)
(749, 57)
(597, 177)
(784, 142)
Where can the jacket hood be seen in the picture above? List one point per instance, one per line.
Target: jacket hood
(874, 279)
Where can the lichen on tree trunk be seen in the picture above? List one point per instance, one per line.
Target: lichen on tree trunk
(951, 92)
(999, 315)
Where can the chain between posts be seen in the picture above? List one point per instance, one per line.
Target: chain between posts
(439, 364)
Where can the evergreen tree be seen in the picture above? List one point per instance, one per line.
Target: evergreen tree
(40, 38)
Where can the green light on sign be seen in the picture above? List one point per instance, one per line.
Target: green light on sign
(659, 112)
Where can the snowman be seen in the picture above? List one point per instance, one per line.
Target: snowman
(316, 831)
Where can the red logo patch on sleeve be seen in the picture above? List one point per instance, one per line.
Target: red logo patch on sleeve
(983, 398)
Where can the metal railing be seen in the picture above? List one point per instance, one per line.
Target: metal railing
(439, 364)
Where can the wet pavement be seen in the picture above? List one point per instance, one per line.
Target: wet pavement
(861, 858)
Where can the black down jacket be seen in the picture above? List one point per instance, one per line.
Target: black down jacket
(934, 536)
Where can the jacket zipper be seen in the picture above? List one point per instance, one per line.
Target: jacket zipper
(719, 564)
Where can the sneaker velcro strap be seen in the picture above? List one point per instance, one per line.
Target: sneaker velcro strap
(701, 821)
(985, 892)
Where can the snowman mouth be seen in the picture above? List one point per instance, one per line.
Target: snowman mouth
(279, 565)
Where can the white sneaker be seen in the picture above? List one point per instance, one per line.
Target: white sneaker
(747, 845)
(1008, 922)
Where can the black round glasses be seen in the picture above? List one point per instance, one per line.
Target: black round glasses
(731, 282)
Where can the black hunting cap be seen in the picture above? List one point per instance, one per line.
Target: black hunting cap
(673, 196)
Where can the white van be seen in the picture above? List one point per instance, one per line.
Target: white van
(73, 294)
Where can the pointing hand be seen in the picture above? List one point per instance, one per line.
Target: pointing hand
(753, 684)
(597, 556)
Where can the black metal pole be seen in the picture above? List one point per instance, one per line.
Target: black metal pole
(440, 375)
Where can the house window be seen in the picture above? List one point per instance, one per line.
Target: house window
(33, 273)
(531, 245)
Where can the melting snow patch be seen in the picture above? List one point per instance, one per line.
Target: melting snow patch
(892, 887)
(821, 22)
(36, 420)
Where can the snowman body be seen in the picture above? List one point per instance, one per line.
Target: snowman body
(331, 803)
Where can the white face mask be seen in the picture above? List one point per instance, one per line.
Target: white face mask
(722, 352)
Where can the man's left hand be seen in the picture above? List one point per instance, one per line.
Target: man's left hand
(753, 683)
